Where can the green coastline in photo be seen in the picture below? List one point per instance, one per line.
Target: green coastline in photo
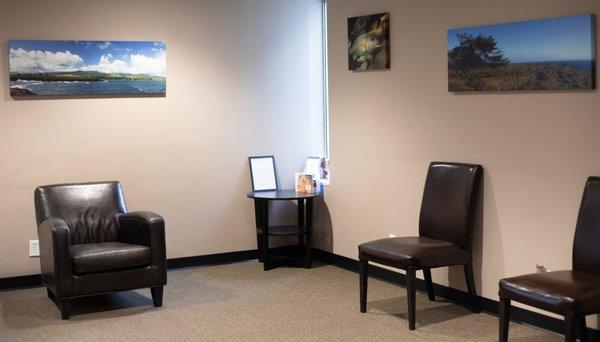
(86, 68)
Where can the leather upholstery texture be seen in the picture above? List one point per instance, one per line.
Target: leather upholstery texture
(89, 209)
(445, 223)
(560, 292)
(118, 280)
(106, 256)
(570, 293)
(147, 229)
(448, 200)
(413, 251)
(445, 235)
(586, 245)
(90, 244)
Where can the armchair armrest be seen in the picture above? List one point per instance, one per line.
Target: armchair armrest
(147, 229)
(55, 261)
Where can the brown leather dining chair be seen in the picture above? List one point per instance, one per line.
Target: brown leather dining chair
(445, 234)
(574, 293)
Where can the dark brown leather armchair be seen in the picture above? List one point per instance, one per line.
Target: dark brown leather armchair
(90, 244)
(445, 234)
(573, 294)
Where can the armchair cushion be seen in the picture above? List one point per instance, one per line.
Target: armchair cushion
(106, 256)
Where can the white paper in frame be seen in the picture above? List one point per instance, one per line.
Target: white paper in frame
(262, 173)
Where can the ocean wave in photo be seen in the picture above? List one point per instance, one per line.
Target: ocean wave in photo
(73, 68)
(585, 64)
(91, 88)
(24, 83)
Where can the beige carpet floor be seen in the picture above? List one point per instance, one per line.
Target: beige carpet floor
(240, 302)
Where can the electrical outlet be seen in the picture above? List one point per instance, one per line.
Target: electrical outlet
(541, 268)
(391, 236)
(34, 248)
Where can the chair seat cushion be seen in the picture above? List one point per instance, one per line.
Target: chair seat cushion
(416, 251)
(560, 291)
(106, 256)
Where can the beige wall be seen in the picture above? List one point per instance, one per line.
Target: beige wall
(537, 148)
(240, 82)
(243, 78)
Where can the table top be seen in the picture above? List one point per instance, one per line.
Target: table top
(279, 195)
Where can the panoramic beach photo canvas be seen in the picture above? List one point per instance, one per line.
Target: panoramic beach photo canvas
(86, 68)
(369, 42)
(547, 54)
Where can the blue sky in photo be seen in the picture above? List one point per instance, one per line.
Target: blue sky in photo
(90, 51)
(557, 39)
(130, 57)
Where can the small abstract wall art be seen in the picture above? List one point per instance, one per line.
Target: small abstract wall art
(547, 54)
(84, 68)
(369, 42)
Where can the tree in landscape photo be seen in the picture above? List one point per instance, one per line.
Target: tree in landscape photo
(476, 52)
(546, 54)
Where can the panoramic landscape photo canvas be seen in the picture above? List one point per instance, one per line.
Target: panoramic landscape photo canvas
(369, 42)
(547, 54)
(83, 68)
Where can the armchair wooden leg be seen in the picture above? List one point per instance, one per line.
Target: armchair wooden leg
(411, 296)
(50, 294)
(428, 284)
(583, 329)
(470, 280)
(570, 329)
(504, 315)
(363, 270)
(65, 308)
(157, 295)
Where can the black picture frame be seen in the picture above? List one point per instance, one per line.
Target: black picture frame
(368, 30)
(252, 173)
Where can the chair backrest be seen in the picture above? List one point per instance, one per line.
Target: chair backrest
(90, 209)
(586, 244)
(448, 205)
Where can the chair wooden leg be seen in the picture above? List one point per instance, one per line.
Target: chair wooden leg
(411, 296)
(50, 294)
(583, 336)
(157, 295)
(65, 308)
(570, 329)
(363, 269)
(470, 280)
(428, 284)
(504, 315)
